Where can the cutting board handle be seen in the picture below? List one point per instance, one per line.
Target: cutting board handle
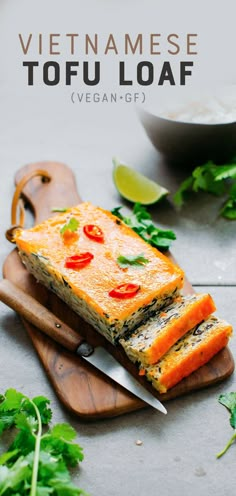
(18, 204)
(58, 191)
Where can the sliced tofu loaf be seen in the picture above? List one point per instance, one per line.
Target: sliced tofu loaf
(150, 341)
(192, 351)
(75, 255)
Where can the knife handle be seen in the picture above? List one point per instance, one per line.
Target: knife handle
(39, 316)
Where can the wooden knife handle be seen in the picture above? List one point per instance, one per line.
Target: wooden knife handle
(39, 316)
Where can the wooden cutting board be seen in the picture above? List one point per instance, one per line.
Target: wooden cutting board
(80, 387)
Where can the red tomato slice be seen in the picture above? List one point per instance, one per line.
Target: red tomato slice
(78, 261)
(94, 232)
(126, 290)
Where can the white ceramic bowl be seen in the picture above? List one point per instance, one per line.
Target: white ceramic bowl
(197, 131)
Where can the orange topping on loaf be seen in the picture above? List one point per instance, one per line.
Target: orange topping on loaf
(45, 247)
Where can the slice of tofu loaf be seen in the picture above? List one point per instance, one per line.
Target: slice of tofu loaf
(75, 255)
(192, 351)
(150, 341)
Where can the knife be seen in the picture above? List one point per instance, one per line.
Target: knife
(49, 324)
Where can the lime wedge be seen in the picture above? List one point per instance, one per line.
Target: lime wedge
(136, 187)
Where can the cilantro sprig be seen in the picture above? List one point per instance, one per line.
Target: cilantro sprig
(72, 225)
(229, 401)
(125, 261)
(141, 222)
(215, 179)
(38, 458)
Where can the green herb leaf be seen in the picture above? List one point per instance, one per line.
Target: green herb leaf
(180, 195)
(229, 401)
(141, 223)
(59, 209)
(36, 463)
(14, 477)
(63, 431)
(12, 400)
(24, 442)
(204, 179)
(72, 225)
(59, 442)
(7, 420)
(42, 404)
(214, 179)
(116, 211)
(25, 422)
(5, 457)
(125, 261)
(225, 172)
(229, 208)
(10, 406)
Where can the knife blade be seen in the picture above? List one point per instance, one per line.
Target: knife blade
(49, 324)
(105, 362)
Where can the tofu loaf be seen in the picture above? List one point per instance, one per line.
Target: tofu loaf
(75, 255)
(192, 351)
(150, 341)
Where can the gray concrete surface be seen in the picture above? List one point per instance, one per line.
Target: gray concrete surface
(177, 455)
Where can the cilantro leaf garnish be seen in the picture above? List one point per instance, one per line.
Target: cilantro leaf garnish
(125, 261)
(141, 222)
(37, 462)
(229, 208)
(72, 225)
(116, 211)
(229, 401)
(59, 209)
(215, 179)
(225, 172)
